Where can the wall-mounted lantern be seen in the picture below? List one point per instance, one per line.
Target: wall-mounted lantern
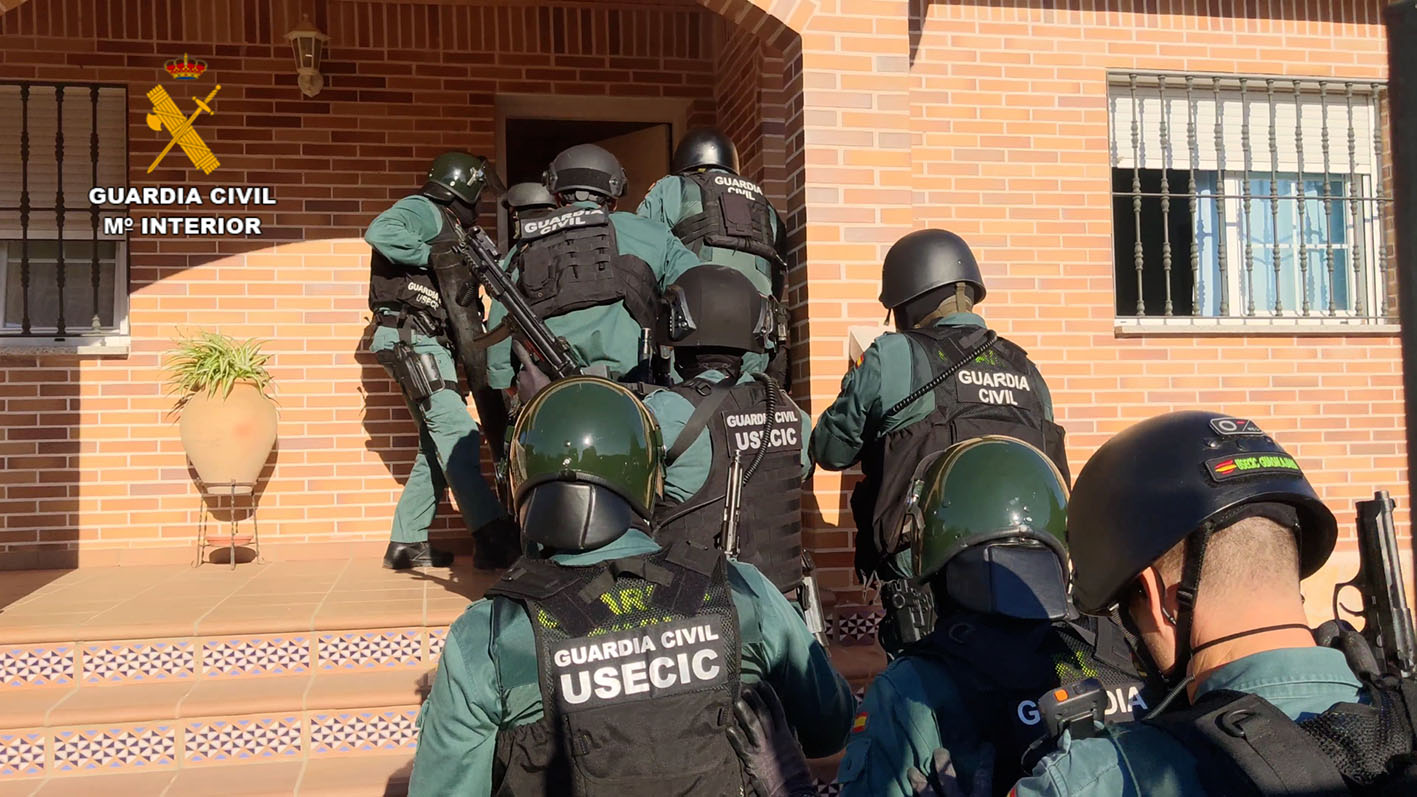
(308, 42)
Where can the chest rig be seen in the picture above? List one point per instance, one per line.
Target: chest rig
(410, 292)
(981, 388)
(734, 215)
(1002, 668)
(638, 663)
(770, 521)
(570, 260)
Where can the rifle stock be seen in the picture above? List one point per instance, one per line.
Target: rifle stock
(552, 352)
(1387, 618)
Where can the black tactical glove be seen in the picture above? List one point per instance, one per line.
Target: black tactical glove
(530, 378)
(943, 781)
(771, 758)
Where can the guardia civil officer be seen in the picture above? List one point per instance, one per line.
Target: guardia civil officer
(593, 274)
(606, 664)
(1198, 528)
(712, 318)
(411, 342)
(942, 378)
(726, 220)
(987, 532)
(526, 201)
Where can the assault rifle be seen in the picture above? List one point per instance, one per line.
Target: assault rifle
(1387, 620)
(554, 354)
(732, 504)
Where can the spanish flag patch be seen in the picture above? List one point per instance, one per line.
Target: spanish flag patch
(860, 724)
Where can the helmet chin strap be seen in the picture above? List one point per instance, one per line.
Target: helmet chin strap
(1186, 599)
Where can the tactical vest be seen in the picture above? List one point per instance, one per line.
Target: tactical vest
(995, 393)
(770, 520)
(735, 215)
(1002, 667)
(638, 663)
(570, 260)
(400, 289)
(1246, 747)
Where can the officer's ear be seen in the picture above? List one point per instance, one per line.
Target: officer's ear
(1153, 604)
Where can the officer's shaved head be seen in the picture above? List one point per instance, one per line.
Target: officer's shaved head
(1254, 555)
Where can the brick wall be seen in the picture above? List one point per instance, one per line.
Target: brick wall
(985, 117)
(90, 456)
(1011, 151)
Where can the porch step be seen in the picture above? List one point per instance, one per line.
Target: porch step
(355, 776)
(297, 678)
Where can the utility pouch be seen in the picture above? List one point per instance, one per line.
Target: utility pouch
(910, 615)
(417, 374)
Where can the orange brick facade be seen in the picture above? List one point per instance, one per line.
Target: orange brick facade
(863, 118)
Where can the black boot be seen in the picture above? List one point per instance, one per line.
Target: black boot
(498, 544)
(404, 555)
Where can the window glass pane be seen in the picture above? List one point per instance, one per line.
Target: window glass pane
(1207, 227)
(44, 286)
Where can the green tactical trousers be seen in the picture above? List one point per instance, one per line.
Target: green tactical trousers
(448, 453)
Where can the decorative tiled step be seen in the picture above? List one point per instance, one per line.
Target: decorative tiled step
(70, 664)
(372, 773)
(261, 680)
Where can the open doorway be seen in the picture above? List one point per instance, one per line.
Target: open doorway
(642, 147)
(641, 133)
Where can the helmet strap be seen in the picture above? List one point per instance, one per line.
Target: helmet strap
(1186, 598)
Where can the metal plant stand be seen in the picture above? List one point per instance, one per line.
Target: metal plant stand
(231, 540)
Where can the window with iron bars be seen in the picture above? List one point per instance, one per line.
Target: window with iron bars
(1250, 200)
(60, 275)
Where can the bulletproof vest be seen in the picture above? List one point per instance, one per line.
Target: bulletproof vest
(770, 520)
(1001, 667)
(995, 393)
(1245, 746)
(570, 260)
(404, 289)
(638, 663)
(735, 216)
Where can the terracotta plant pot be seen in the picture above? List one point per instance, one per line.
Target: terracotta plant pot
(229, 439)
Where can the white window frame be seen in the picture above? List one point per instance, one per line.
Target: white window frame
(78, 337)
(1363, 231)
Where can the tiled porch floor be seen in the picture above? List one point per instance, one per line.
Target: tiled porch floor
(277, 597)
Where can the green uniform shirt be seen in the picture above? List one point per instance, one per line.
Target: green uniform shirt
(402, 232)
(686, 476)
(487, 679)
(884, 377)
(910, 710)
(1135, 759)
(605, 335)
(666, 204)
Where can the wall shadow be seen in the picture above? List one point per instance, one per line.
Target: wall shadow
(226, 515)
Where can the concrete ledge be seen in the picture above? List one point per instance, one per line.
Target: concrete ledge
(83, 346)
(1159, 326)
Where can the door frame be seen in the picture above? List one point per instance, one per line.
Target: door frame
(672, 111)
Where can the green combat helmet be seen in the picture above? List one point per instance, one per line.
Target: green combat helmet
(459, 175)
(584, 464)
(988, 521)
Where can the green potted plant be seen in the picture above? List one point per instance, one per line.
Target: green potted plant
(228, 422)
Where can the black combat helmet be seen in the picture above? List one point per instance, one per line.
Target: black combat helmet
(586, 167)
(704, 148)
(924, 261)
(459, 175)
(1164, 479)
(523, 197)
(988, 521)
(584, 464)
(714, 306)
